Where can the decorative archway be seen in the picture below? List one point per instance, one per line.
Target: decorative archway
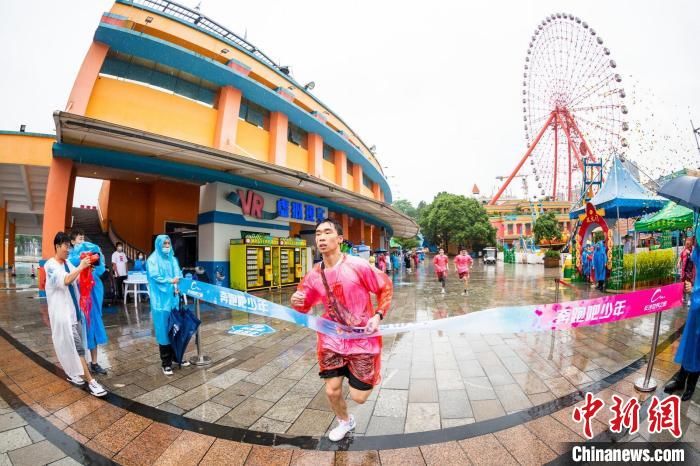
(592, 220)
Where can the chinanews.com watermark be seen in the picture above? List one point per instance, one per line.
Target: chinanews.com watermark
(662, 416)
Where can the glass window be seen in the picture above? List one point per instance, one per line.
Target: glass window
(349, 167)
(328, 153)
(254, 114)
(297, 136)
(510, 228)
(366, 181)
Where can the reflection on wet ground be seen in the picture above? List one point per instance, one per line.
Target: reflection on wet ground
(431, 379)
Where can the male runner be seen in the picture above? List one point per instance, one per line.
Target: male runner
(462, 263)
(440, 263)
(343, 284)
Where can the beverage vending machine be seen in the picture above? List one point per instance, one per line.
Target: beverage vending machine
(292, 260)
(254, 263)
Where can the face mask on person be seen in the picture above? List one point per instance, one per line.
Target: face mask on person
(165, 249)
(120, 249)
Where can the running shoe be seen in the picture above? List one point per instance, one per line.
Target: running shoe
(95, 368)
(168, 370)
(77, 380)
(96, 389)
(342, 429)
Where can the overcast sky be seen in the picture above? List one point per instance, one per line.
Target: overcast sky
(436, 86)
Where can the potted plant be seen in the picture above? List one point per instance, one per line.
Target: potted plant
(551, 258)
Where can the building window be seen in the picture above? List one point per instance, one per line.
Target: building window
(254, 114)
(297, 136)
(366, 181)
(519, 228)
(349, 167)
(510, 228)
(328, 153)
(159, 77)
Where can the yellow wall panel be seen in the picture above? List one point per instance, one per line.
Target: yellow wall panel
(25, 149)
(252, 141)
(138, 106)
(351, 182)
(367, 192)
(329, 171)
(297, 158)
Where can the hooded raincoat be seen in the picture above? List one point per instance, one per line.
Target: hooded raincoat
(161, 269)
(600, 260)
(688, 354)
(351, 281)
(63, 315)
(94, 332)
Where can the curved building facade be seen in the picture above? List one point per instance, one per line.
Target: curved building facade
(195, 129)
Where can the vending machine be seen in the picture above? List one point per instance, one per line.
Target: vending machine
(254, 263)
(293, 260)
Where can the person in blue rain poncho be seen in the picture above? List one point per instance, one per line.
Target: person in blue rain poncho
(586, 261)
(688, 353)
(94, 330)
(600, 260)
(163, 273)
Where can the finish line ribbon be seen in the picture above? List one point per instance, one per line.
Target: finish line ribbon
(510, 319)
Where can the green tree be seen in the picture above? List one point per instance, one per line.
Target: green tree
(453, 218)
(407, 243)
(547, 228)
(406, 207)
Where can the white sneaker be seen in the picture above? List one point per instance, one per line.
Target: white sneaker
(77, 380)
(185, 364)
(442, 291)
(342, 429)
(96, 389)
(168, 370)
(464, 293)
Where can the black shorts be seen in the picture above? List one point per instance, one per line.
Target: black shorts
(344, 371)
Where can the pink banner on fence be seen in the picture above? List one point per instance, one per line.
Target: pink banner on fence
(572, 314)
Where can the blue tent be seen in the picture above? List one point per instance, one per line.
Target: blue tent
(621, 194)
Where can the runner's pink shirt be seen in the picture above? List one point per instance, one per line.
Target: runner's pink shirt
(463, 263)
(440, 263)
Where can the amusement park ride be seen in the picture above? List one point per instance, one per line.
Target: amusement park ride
(573, 111)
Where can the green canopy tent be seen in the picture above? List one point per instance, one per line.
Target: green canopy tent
(670, 218)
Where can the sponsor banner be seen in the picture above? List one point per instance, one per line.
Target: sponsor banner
(514, 319)
(251, 330)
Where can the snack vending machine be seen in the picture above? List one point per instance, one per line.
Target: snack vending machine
(293, 260)
(254, 263)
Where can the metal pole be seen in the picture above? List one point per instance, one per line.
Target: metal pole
(647, 383)
(200, 359)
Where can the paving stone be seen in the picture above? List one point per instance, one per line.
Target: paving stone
(422, 416)
(443, 453)
(275, 389)
(312, 422)
(391, 403)
(43, 452)
(396, 379)
(13, 439)
(288, 408)
(487, 409)
(265, 424)
(487, 450)
(228, 378)
(246, 413)
(386, 425)
(208, 411)
(449, 379)
(525, 446)
(33, 434)
(479, 388)
(11, 421)
(471, 368)
(159, 395)
(447, 423)
(196, 396)
(423, 391)
(454, 404)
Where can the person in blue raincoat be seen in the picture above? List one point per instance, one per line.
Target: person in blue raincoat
(600, 261)
(688, 353)
(94, 332)
(586, 261)
(163, 272)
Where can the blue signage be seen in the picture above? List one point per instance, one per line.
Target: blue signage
(299, 211)
(251, 330)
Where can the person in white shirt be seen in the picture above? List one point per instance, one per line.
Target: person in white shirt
(64, 314)
(119, 270)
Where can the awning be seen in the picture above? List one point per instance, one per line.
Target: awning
(672, 217)
(91, 141)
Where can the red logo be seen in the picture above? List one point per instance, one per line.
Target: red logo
(251, 203)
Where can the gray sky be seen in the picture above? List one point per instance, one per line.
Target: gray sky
(437, 86)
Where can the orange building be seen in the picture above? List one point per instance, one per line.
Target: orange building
(192, 127)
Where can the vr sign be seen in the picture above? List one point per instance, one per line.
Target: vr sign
(252, 204)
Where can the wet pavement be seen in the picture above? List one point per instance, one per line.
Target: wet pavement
(430, 379)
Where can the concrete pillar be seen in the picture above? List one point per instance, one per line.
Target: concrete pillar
(228, 106)
(315, 144)
(11, 245)
(362, 229)
(85, 81)
(3, 223)
(345, 223)
(341, 169)
(357, 177)
(376, 191)
(56, 206)
(279, 124)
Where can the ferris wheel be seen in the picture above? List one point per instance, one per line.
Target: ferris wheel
(574, 112)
